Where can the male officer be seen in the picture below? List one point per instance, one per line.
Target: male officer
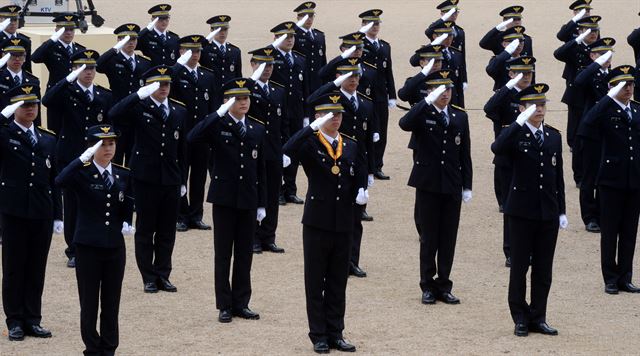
(155, 41)
(378, 53)
(415, 88)
(82, 105)
(8, 30)
(449, 11)
(14, 73)
(337, 177)
(581, 9)
(158, 168)
(442, 34)
(237, 192)
(289, 73)
(634, 41)
(535, 206)
(310, 42)
(56, 55)
(503, 109)
(512, 17)
(513, 42)
(442, 175)
(124, 69)
(221, 56)
(613, 125)
(29, 203)
(194, 86)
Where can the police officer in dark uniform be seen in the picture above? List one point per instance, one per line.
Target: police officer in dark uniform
(158, 169)
(156, 41)
(82, 105)
(442, 175)
(310, 42)
(14, 73)
(8, 31)
(512, 17)
(449, 11)
(124, 69)
(238, 194)
(29, 203)
(415, 88)
(613, 125)
(105, 201)
(513, 42)
(581, 9)
(634, 41)
(535, 206)
(55, 54)
(196, 87)
(453, 59)
(337, 175)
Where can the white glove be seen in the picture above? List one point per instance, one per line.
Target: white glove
(376, 137)
(9, 110)
(261, 213)
(183, 190)
(564, 223)
(579, 15)
(127, 230)
(305, 122)
(465, 86)
(56, 36)
(4, 24)
(152, 24)
(302, 21)
(346, 54)
(511, 47)
(439, 39)
(258, 73)
(58, 227)
(121, 43)
(427, 69)
(286, 161)
(448, 15)
(222, 110)
(466, 195)
(525, 115)
(212, 34)
(503, 25)
(338, 82)
(392, 103)
(4, 59)
(363, 197)
(317, 123)
(512, 83)
(604, 58)
(366, 28)
(279, 41)
(74, 75)
(582, 36)
(434, 95)
(88, 153)
(613, 92)
(185, 57)
(147, 90)
(370, 180)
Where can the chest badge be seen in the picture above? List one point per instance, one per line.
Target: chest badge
(553, 161)
(458, 140)
(206, 95)
(364, 126)
(320, 52)
(173, 55)
(176, 134)
(100, 117)
(232, 68)
(47, 162)
(279, 111)
(351, 171)
(121, 196)
(254, 154)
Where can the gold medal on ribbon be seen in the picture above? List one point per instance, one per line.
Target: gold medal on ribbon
(335, 155)
(335, 170)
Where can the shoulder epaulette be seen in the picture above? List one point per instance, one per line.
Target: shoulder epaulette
(232, 45)
(171, 32)
(370, 65)
(635, 101)
(455, 49)
(459, 108)
(47, 130)
(177, 102)
(551, 128)
(299, 53)
(86, 164)
(119, 166)
(364, 96)
(459, 27)
(349, 137)
(205, 68)
(256, 120)
(315, 29)
(383, 41)
(138, 54)
(25, 36)
(276, 83)
(103, 88)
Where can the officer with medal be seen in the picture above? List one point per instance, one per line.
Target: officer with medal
(8, 31)
(453, 60)
(310, 42)
(513, 43)
(442, 175)
(503, 109)
(82, 104)
(580, 9)
(55, 53)
(30, 209)
(238, 193)
(105, 201)
(511, 17)
(159, 172)
(14, 72)
(535, 207)
(337, 175)
(156, 41)
(613, 126)
(124, 69)
(429, 59)
(268, 103)
(634, 41)
(195, 87)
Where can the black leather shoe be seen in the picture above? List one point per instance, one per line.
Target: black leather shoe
(521, 330)
(366, 216)
(294, 199)
(380, 175)
(507, 262)
(199, 225)
(165, 285)
(71, 263)
(342, 345)
(592, 227)
(37, 331)
(448, 298)
(321, 347)
(611, 288)
(629, 288)
(225, 316)
(272, 247)
(282, 200)
(246, 313)
(428, 298)
(16, 334)
(257, 249)
(542, 328)
(181, 227)
(356, 271)
(150, 287)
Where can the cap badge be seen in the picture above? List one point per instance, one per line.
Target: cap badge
(625, 70)
(517, 9)
(526, 60)
(607, 41)
(353, 61)
(241, 83)
(268, 52)
(131, 27)
(445, 74)
(376, 12)
(539, 88)
(308, 5)
(12, 8)
(105, 129)
(518, 29)
(27, 90)
(89, 54)
(288, 25)
(195, 38)
(437, 48)
(68, 18)
(334, 99)
(15, 41)
(223, 18)
(356, 36)
(162, 70)
(163, 7)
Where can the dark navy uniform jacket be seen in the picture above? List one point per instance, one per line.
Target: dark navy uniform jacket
(269, 109)
(492, 41)
(7, 82)
(122, 80)
(593, 84)
(384, 87)
(151, 45)
(576, 57)
(198, 96)
(367, 78)
(56, 58)
(225, 66)
(296, 86)
(314, 49)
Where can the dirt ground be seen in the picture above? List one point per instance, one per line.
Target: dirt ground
(384, 314)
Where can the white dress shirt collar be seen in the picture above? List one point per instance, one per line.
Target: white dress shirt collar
(19, 74)
(355, 94)
(534, 129)
(238, 120)
(84, 89)
(329, 138)
(160, 33)
(624, 107)
(165, 102)
(101, 169)
(25, 129)
(262, 84)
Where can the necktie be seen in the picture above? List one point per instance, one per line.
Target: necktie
(265, 88)
(376, 45)
(12, 36)
(310, 32)
(223, 50)
(447, 55)
(444, 119)
(334, 144)
(194, 76)
(354, 104)
(107, 179)
(241, 129)
(628, 111)
(16, 80)
(539, 138)
(289, 59)
(70, 50)
(131, 64)
(32, 138)
(165, 115)
(163, 38)
(88, 94)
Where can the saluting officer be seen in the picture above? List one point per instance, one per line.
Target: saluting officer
(453, 60)
(513, 42)
(158, 168)
(634, 41)
(613, 125)
(8, 31)
(124, 69)
(569, 31)
(238, 194)
(15, 72)
(535, 206)
(512, 17)
(337, 176)
(310, 42)
(449, 11)
(82, 105)
(442, 175)
(29, 203)
(156, 41)
(105, 201)
(195, 87)
(221, 56)
(429, 58)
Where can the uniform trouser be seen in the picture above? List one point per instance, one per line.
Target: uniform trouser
(99, 272)
(382, 112)
(266, 231)
(289, 174)
(125, 145)
(589, 204)
(25, 248)
(504, 174)
(157, 213)
(532, 241)
(326, 270)
(618, 228)
(357, 233)
(574, 116)
(233, 234)
(191, 208)
(70, 210)
(439, 216)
